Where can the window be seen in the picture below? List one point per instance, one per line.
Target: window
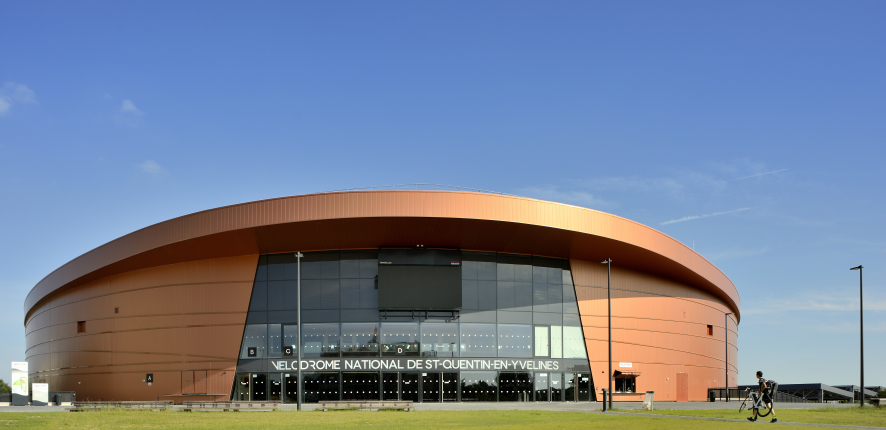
(514, 340)
(574, 343)
(478, 340)
(627, 384)
(116, 310)
(542, 341)
(710, 330)
(439, 340)
(255, 341)
(400, 339)
(359, 340)
(81, 326)
(319, 340)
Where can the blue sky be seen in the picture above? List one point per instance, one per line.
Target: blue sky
(753, 130)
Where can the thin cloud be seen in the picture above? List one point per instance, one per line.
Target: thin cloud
(692, 217)
(151, 167)
(12, 93)
(129, 107)
(818, 302)
(751, 176)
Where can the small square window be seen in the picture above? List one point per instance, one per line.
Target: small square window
(710, 330)
(116, 310)
(81, 326)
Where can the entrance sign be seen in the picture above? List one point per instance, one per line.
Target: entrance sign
(19, 383)
(625, 364)
(149, 378)
(417, 363)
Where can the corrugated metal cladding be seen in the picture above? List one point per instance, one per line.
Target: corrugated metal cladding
(172, 298)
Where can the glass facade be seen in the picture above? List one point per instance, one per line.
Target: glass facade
(517, 336)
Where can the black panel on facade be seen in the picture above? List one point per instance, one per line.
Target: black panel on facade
(419, 287)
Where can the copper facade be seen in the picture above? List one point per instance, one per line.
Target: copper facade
(182, 287)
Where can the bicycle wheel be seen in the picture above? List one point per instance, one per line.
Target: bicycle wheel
(763, 410)
(743, 404)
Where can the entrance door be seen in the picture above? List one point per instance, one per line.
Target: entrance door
(258, 389)
(430, 387)
(276, 387)
(200, 382)
(450, 387)
(583, 383)
(542, 393)
(682, 387)
(557, 387)
(390, 386)
(290, 381)
(409, 386)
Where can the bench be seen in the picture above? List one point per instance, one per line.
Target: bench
(102, 406)
(235, 406)
(365, 405)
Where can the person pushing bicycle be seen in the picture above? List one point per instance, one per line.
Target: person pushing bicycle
(766, 392)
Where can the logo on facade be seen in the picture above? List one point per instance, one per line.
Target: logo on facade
(252, 351)
(287, 351)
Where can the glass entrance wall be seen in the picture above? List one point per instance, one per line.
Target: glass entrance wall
(513, 306)
(359, 386)
(479, 386)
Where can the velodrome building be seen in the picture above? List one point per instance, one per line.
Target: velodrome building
(423, 295)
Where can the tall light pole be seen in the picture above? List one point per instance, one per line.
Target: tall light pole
(726, 339)
(861, 326)
(300, 389)
(608, 263)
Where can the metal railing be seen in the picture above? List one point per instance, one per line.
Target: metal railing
(434, 187)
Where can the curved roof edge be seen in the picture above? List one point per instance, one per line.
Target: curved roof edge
(254, 227)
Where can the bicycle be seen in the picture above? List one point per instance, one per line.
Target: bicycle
(756, 404)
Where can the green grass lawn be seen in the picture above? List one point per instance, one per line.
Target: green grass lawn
(355, 420)
(853, 416)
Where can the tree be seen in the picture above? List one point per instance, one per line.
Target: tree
(4, 387)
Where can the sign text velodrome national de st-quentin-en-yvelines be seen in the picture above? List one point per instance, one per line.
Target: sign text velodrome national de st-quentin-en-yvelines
(418, 364)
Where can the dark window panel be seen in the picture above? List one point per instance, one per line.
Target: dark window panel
(509, 317)
(283, 317)
(555, 298)
(310, 294)
(478, 256)
(320, 316)
(350, 293)
(276, 297)
(514, 259)
(291, 266)
(310, 269)
(257, 318)
(261, 272)
(329, 294)
(369, 268)
(477, 317)
(350, 269)
(359, 254)
(469, 298)
(329, 270)
(514, 340)
(540, 297)
(359, 315)
(522, 273)
(259, 301)
(277, 267)
(291, 293)
(571, 320)
(477, 340)
(368, 294)
(523, 296)
(505, 272)
(469, 270)
(506, 296)
(555, 276)
(486, 294)
(486, 271)
(540, 275)
(359, 340)
(567, 277)
(544, 318)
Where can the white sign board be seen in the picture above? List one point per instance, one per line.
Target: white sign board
(19, 383)
(625, 364)
(40, 394)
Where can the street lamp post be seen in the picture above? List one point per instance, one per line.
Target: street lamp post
(726, 340)
(861, 325)
(298, 391)
(608, 263)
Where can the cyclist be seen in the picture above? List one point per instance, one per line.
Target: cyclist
(765, 391)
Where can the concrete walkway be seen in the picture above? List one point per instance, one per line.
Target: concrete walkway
(759, 421)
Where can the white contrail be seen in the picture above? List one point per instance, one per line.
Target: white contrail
(752, 176)
(692, 217)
